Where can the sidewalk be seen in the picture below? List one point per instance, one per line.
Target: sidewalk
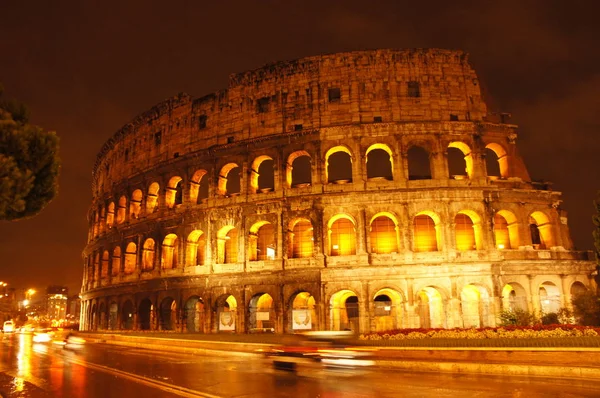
(571, 362)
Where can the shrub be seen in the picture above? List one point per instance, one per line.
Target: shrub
(586, 308)
(517, 317)
(550, 318)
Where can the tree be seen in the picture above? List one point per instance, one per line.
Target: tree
(596, 234)
(29, 163)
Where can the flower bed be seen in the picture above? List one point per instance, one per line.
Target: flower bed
(506, 332)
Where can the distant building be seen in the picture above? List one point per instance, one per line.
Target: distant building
(57, 297)
(73, 308)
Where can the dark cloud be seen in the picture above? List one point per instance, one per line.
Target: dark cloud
(86, 68)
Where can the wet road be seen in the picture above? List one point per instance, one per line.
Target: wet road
(30, 369)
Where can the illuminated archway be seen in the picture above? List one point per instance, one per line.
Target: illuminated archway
(170, 252)
(540, 228)
(227, 245)
(174, 194)
(229, 180)
(387, 310)
(384, 233)
(506, 230)
(344, 311)
(475, 306)
(379, 162)
(304, 315)
(146, 315)
(152, 198)
(199, 187)
(127, 311)
(549, 296)
(461, 160)
(261, 313)
(148, 255)
(262, 177)
(110, 215)
(104, 270)
(261, 242)
(301, 239)
(426, 232)
(113, 316)
(130, 258)
(514, 297)
(196, 248)
(116, 261)
(121, 210)
(194, 314)
(226, 311)
(496, 160)
(338, 165)
(342, 235)
(298, 169)
(168, 314)
(431, 308)
(468, 231)
(135, 205)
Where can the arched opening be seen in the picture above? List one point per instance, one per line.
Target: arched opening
(298, 171)
(104, 269)
(460, 161)
(425, 234)
(152, 198)
(130, 258)
(475, 306)
(419, 167)
(301, 239)
(227, 245)
(387, 310)
(168, 314)
(170, 252)
(577, 289)
(338, 165)
(135, 206)
(199, 187)
(146, 315)
(465, 233)
(196, 248)
(261, 242)
(226, 309)
(148, 255)
(96, 267)
(506, 230)
(194, 314)
(116, 261)
(103, 324)
(174, 195)
(549, 298)
(261, 313)
(127, 315)
(94, 317)
(540, 229)
(122, 210)
(304, 316)
(342, 236)
(431, 308)
(110, 215)
(262, 177)
(229, 180)
(343, 311)
(113, 316)
(496, 160)
(383, 235)
(514, 297)
(379, 162)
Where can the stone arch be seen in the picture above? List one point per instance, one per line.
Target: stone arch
(226, 311)
(261, 242)
(261, 313)
(344, 313)
(196, 248)
(419, 164)
(229, 180)
(122, 210)
(130, 258)
(384, 233)
(194, 314)
(506, 230)
(110, 215)
(146, 315)
(104, 264)
(298, 172)
(303, 312)
(577, 288)
(468, 231)
(262, 178)
(113, 316)
(387, 310)
(341, 233)
(475, 306)
(135, 205)
(174, 194)
(168, 314)
(170, 252)
(540, 227)
(301, 238)
(426, 232)
(339, 158)
(496, 160)
(116, 261)
(460, 160)
(549, 296)
(514, 297)
(94, 317)
(148, 253)
(227, 245)
(379, 162)
(103, 316)
(127, 312)
(152, 198)
(199, 186)
(431, 308)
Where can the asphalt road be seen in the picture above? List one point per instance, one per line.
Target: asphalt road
(30, 369)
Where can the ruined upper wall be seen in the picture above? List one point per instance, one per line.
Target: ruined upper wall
(305, 94)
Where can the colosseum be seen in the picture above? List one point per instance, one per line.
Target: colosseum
(364, 191)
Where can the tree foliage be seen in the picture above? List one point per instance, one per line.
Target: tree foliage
(586, 308)
(596, 234)
(29, 163)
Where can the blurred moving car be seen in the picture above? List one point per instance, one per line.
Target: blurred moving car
(72, 342)
(329, 349)
(8, 327)
(43, 336)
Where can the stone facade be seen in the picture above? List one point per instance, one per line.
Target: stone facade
(367, 190)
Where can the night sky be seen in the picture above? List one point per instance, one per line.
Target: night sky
(86, 68)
